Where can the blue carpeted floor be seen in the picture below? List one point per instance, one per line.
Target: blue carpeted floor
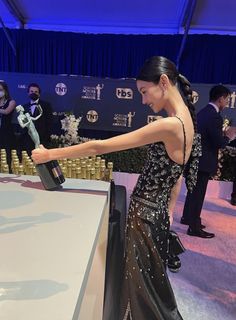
(205, 286)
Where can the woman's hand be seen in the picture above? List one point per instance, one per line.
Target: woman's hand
(40, 155)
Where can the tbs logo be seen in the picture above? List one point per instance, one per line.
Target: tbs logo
(124, 93)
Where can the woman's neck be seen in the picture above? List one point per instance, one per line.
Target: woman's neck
(175, 103)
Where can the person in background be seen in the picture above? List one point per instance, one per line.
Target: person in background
(233, 194)
(7, 107)
(210, 125)
(43, 125)
(146, 290)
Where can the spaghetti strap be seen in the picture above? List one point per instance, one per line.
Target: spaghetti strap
(184, 139)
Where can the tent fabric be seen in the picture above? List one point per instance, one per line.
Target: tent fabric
(206, 58)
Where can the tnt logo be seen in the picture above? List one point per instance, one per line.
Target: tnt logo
(61, 89)
(92, 116)
(124, 93)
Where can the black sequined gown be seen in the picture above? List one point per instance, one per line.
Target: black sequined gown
(7, 137)
(146, 292)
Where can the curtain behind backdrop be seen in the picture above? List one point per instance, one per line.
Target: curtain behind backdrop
(206, 58)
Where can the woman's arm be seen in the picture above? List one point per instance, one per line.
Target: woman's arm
(10, 108)
(173, 198)
(161, 130)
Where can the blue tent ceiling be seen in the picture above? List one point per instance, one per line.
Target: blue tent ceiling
(123, 16)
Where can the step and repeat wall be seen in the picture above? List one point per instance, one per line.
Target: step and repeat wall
(104, 104)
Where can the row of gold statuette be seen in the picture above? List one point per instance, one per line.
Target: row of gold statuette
(4, 168)
(25, 167)
(93, 168)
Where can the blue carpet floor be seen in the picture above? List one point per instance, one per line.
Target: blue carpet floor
(205, 286)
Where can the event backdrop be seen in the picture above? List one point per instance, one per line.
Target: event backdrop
(104, 104)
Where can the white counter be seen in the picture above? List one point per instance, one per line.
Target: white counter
(52, 249)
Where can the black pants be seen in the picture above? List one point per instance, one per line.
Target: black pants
(233, 194)
(194, 201)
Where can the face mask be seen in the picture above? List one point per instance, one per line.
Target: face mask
(2, 93)
(33, 96)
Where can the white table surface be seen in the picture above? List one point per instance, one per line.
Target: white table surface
(47, 240)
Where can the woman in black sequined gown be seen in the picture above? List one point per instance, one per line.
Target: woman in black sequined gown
(7, 107)
(146, 291)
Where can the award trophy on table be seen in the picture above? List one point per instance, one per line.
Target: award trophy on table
(50, 172)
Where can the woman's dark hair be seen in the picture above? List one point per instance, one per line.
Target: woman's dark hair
(5, 88)
(152, 70)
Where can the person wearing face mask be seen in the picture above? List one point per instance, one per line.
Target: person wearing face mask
(43, 125)
(146, 292)
(7, 106)
(213, 137)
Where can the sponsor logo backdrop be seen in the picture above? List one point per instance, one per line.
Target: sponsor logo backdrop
(104, 104)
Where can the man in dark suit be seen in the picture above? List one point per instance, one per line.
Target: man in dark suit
(233, 194)
(43, 124)
(210, 125)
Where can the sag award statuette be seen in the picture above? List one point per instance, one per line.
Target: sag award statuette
(50, 172)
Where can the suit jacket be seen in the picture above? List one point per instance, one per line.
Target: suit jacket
(43, 125)
(210, 124)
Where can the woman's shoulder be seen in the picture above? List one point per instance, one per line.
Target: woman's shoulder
(11, 102)
(171, 122)
(171, 128)
(177, 125)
